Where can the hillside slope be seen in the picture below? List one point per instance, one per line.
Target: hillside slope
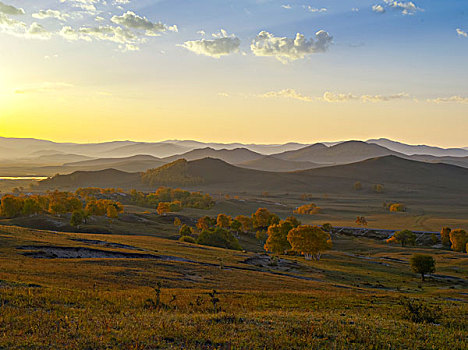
(270, 163)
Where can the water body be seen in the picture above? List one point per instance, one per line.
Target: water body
(23, 178)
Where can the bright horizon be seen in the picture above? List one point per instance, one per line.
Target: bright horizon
(231, 142)
(235, 71)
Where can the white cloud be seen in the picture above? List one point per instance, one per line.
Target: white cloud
(51, 14)
(383, 98)
(287, 93)
(128, 40)
(10, 10)
(331, 97)
(287, 7)
(87, 5)
(132, 20)
(222, 45)
(405, 7)
(452, 99)
(462, 33)
(37, 31)
(314, 9)
(20, 29)
(378, 9)
(288, 49)
(337, 98)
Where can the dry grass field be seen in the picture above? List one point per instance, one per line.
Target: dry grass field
(352, 298)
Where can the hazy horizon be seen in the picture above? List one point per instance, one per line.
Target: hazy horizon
(230, 142)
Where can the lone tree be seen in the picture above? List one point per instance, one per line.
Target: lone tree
(422, 264)
(361, 221)
(357, 186)
(459, 239)
(403, 237)
(309, 240)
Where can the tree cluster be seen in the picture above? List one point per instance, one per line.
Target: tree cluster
(308, 209)
(57, 203)
(404, 237)
(177, 197)
(395, 207)
(290, 235)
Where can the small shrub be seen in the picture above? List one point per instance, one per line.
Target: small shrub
(187, 239)
(419, 312)
(397, 207)
(219, 237)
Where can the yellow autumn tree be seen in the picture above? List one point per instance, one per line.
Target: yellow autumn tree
(223, 221)
(277, 241)
(459, 240)
(310, 241)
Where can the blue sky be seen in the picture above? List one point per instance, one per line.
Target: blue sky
(374, 59)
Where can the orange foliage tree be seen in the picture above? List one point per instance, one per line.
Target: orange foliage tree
(277, 241)
(459, 240)
(309, 240)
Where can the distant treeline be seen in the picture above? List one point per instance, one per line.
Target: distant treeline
(57, 203)
(100, 201)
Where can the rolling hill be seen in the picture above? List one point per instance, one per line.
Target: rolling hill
(159, 150)
(210, 174)
(137, 163)
(103, 178)
(270, 163)
(234, 156)
(346, 152)
(266, 149)
(419, 149)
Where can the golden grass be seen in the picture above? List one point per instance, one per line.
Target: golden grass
(348, 300)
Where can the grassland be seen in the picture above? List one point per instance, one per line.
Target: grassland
(351, 299)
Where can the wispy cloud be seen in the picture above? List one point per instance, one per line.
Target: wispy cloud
(42, 14)
(405, 7)
(331, 97)
(315, 9)
(287, 93)
(132, 20)
(340, 97)
(451, 99)
(128, 40)
(462, 33)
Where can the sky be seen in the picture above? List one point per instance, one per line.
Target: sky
(263, 71)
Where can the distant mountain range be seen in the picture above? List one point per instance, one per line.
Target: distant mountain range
(19, 157)
(208, 174)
